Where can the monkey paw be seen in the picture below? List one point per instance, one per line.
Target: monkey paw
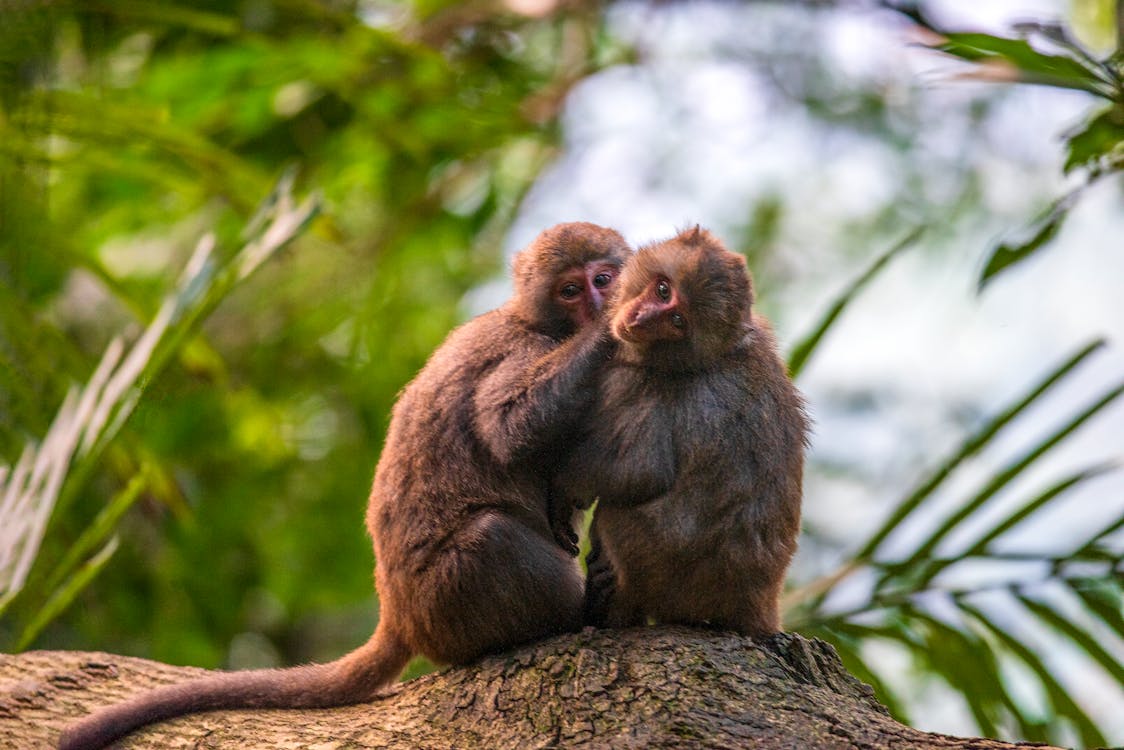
(566, 537)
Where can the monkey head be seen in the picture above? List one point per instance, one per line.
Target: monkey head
(566, 275)
(683, 301)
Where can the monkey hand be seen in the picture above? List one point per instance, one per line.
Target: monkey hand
(560, 514)
(606, 343)
(565, 535)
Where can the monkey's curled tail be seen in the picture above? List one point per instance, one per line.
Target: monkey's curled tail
(353, 678)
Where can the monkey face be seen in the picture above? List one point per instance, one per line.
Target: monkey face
(583, 290)
(565, 277)
(657, 313)
(689, 295)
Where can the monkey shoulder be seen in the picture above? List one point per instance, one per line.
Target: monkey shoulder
(759, 375)
(469, 353)
(433, 421)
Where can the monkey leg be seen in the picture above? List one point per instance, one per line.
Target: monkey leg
(623, 612)
(760, 616)
(609, 601)
(497, 583)
(600, 583)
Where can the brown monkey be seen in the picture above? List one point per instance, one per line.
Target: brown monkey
(695, 449)
(467, 560)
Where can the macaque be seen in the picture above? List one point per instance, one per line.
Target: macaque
(695, 449)
(467, 561)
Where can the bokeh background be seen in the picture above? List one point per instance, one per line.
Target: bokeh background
(963, 545)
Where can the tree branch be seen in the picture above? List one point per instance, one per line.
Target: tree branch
(660, 687)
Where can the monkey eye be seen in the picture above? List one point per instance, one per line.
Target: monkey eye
(677, 320)
(570, 291)
(663, 290)
(602, 280)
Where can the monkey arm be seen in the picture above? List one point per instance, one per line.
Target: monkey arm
(637, 477)
(560, 514)
(627, 459)
(527, 404)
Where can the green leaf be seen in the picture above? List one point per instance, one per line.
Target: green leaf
(966, 663)
(1058, 33)
(1041, 500)
(1103, 599)
(1111, 528)
(168, 14)
(925, 572)
(847, 638)
(102, 526)
(1042, 232)
(807, 345)
(960, 658)
(120, 128)
(981, 437)
(1057, 693)
(1098, 142)
(1080, 638)
(1004, 477)
(61, 598)
(90, 418)
(1030, 65)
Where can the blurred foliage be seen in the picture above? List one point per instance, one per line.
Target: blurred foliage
(219, 525)
(1050, 54)
(804, 348)
(972, 612)
(91, 417)
(924, 601)
(127, 130)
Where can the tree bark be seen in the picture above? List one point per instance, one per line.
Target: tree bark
(664, 687)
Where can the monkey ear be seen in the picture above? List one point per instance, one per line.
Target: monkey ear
(519, 267)
(739, 269)
(692, 236)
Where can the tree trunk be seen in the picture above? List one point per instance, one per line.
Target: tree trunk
(642, 688)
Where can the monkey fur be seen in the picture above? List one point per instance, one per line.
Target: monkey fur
(467, 561)
(695, 449)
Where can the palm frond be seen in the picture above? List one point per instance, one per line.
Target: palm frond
(92, 415)
(1001, 479)
(973, 445)
(1057, 693)
(806, 346)
(965, 646)
(1102, 600)
(1081, 637)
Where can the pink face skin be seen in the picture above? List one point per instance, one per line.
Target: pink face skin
(582, 290)
(652, 316)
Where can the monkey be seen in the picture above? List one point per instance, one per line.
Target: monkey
(467, 561)
(694, 449)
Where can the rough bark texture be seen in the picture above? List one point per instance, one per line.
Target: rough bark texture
(640, 688)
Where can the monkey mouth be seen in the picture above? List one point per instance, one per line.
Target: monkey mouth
(627, 333)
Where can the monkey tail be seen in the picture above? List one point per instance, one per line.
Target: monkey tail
(353, 678)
